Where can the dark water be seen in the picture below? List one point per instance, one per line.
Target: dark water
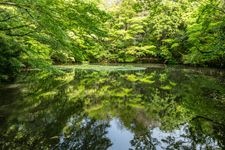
(157, 108)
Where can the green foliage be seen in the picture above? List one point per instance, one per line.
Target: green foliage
(206, 35)
(9, 63)
(49, 30)
(40, 33)
(78, 105)
(184, 31)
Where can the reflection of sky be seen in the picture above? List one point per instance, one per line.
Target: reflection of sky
(120, 136)
(166, 138)
(179, 137)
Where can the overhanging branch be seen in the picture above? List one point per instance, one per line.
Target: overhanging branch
(13, 28)
(8, 18)
(24, 34)
(12, 4)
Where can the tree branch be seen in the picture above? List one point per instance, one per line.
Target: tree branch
(208, 119)
(12, 4)
(2, 10)
(12, 28)
(8, 18)
(24, 34)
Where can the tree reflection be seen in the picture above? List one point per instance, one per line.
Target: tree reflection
(72, 110)
(40, 116)
(89, 134)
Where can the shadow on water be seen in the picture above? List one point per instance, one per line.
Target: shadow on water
(155, 108)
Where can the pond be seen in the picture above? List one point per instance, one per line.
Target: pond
(93, 107)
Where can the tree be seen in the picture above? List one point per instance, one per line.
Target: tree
(206, 34)
(47, 29)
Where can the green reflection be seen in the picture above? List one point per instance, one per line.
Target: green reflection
(72, 110)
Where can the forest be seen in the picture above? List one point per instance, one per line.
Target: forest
(112, 74)
(42, 33)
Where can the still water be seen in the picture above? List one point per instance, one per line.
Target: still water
(146, 107)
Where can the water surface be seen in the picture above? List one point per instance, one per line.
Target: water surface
(115, 108)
